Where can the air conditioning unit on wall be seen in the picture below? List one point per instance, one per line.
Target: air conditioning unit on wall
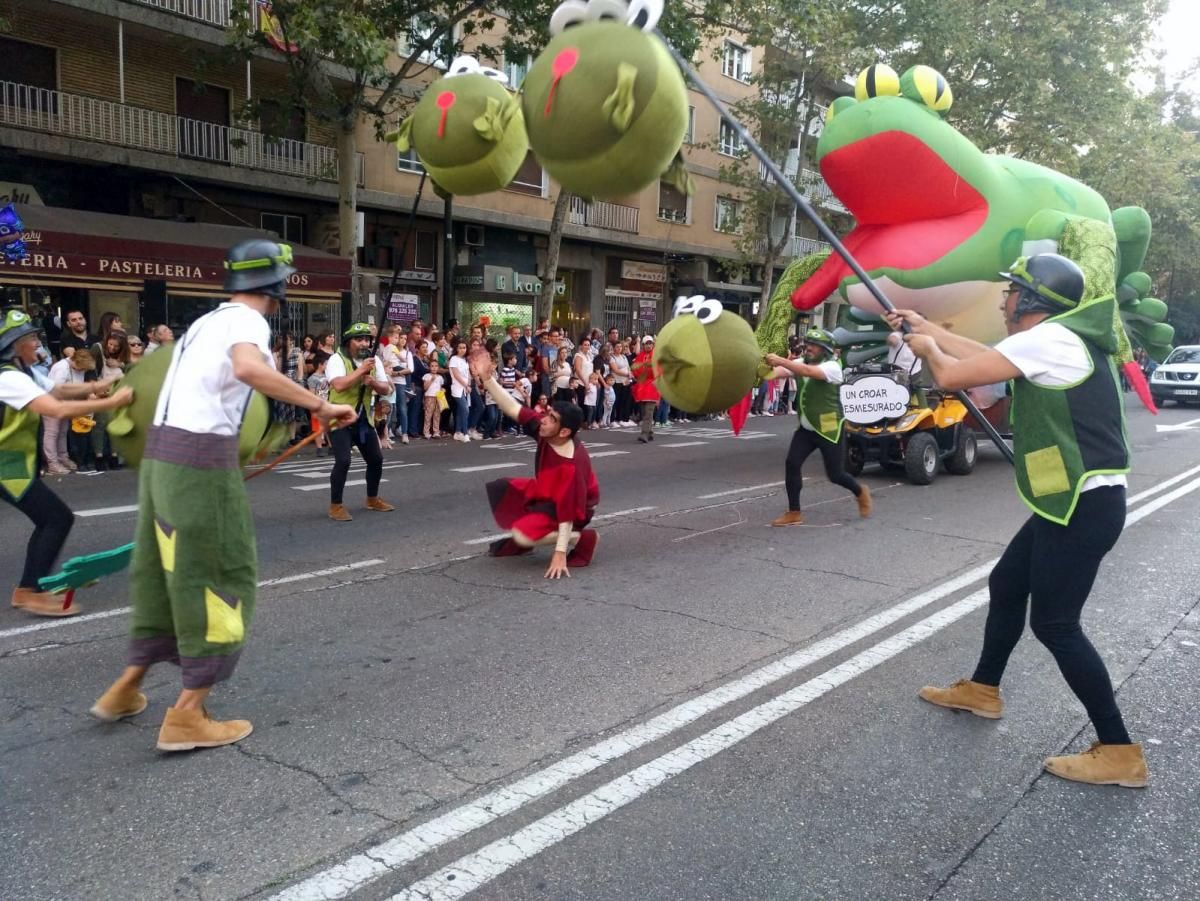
(472, 235)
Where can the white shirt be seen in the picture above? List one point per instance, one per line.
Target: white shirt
(833, 374)
(1051, 355)
(62, 373)
(335, 368)
(401, 357)
(433, 384)
(200, 393)
(18, 390)
(463, 368)
(902, 357)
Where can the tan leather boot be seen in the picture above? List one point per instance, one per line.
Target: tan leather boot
(379, 505)
(981, 700)
(186, 730)
(864, 501)
(1100, 764)
(790, 518)
(339, 513)
(118, 703)
(43, 603)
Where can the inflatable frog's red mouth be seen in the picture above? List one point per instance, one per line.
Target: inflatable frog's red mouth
(911, 209)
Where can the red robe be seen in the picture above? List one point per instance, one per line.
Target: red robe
(561, 490)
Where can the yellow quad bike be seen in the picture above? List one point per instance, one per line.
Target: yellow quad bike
(902, 427)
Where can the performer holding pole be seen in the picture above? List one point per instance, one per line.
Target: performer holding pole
(194, 572)
(1071, 456)
(820, 427)
(25, 397)
(555, 506)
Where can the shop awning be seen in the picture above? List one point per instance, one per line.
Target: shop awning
(119, 253)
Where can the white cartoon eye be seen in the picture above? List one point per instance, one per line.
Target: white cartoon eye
(493, 74)
(463, 65)
(568, 13)
(644, 14)
(686, 305)
(708, 311)
(608, 10)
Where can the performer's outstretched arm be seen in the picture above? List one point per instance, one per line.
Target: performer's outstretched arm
(484, 369)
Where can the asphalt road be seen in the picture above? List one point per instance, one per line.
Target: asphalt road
(714, 709)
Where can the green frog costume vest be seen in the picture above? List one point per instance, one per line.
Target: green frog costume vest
(820, 403)
(18, 446)
(1064, 434)
(349, 396)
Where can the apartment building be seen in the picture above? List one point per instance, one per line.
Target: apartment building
(124, 141)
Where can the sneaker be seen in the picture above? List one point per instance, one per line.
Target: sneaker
(1102, 764)
(404, 439)
(71, 465)
(57, 469)
(187, 730)
(975, 697)
(474, 433)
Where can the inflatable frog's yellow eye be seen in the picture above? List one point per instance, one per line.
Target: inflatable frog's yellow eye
(839, 105)
(877, 80)
(926, 85)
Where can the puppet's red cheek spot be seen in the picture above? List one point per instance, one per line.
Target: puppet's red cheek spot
(563, 63)
(445, 100)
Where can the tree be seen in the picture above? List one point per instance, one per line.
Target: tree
(557, 219)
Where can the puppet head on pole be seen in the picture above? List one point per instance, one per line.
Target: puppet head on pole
(706, 359)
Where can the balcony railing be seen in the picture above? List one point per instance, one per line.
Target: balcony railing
(802, 247)
(91, 119)
(214, 12)
(818, 190)
(600, 214)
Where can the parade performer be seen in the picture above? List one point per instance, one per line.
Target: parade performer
(1072, 453)
(25, 397)
(194, 572)
(820, 427)
(645, 391)
(348, 371)
(555, 506)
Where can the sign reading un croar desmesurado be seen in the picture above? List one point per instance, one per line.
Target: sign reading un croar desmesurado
(872, 398)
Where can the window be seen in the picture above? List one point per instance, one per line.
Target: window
(672, 204)
(289, 228)
(736, 62)
(425, 250)
(516, 71)
(528, 179)
(203, 119)
(727, 216)
(730, 142)
(408, 161)
(284, 132)
(31, 76)
(422, 26)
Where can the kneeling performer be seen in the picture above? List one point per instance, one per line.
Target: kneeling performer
(555, 506)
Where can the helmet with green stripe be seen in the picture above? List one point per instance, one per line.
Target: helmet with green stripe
(259, 266)
(15, 326)
(821, 338)
(1049, 283)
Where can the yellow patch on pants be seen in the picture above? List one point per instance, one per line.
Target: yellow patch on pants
(166, 535)
(225, 624)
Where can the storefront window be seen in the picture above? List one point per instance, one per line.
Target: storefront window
(501, 313)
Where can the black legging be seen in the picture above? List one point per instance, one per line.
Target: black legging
(52, 521)
(804, 442)
(1053, 567)
(362, 436)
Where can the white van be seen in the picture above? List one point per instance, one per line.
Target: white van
(1178, 376)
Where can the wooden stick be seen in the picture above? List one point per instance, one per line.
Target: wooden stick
(287, 453)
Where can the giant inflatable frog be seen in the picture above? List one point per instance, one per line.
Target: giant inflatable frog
(937, 218)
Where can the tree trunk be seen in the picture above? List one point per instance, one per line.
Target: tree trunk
(347, 148)
(559, 217)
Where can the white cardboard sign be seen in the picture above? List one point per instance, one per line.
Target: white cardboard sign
(872, 398)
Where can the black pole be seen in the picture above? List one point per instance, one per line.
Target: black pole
(448, 311)
(806, 208)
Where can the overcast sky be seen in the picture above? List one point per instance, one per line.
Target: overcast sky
(1179, 35)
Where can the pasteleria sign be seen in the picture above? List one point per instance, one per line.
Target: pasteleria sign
(868, 399)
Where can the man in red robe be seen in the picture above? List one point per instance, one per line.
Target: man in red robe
(555, 506)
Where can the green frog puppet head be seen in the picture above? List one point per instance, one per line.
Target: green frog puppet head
(604, 103)
(467, 130)
(706, 359)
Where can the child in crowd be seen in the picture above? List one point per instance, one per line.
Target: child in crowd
(589, 400)
(610, 400)
(542, 405)
(433, 383)
(318, 384)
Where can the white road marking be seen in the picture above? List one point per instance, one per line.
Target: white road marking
(107, 511)
(685, 444)
(607, 454)
(1177, 427)
(486, 467)
(105, 614)
(349, 484)
(488, 539)
(346, 878)
(704, 497)
(752, 436)
(1163, 486)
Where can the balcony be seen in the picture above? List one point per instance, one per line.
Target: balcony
(106, 122)
(815, 188)
(211, 12)
(600, 214)
(802, 247)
